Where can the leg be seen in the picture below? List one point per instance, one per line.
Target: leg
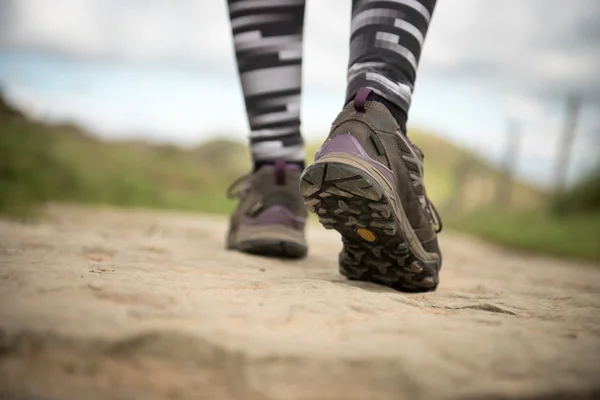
(386, 43)
(270, 216)
(267, 37)
(367, 179)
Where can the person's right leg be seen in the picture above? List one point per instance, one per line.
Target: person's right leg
(367, 179)
(387, 39)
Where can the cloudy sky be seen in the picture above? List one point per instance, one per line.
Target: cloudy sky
(162, 69)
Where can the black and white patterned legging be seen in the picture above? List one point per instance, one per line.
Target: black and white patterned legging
(385, 46)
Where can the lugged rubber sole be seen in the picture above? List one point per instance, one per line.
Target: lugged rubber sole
(270, 240)
(273, 248)
(349, 200)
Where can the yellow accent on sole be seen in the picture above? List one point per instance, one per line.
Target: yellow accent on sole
(366, 234)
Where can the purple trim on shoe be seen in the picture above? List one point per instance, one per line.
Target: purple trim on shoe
(346, 143)
(280, 171)
(361, 98)
(276, 215)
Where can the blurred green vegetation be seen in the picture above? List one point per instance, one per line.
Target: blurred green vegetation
(568, 225)
(41, 163)
(576, 236)
(583, 198)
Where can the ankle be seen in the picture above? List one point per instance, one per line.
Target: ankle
(398, 113)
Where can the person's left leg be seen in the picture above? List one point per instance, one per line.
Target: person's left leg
(267, 37)
(270, 217)
(367, 179)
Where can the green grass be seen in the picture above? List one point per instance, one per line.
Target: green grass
(573, 236)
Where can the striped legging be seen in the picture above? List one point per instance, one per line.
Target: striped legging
(385, 46)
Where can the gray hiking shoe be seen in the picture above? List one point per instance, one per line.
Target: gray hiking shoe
(367, 183)
(270, 217)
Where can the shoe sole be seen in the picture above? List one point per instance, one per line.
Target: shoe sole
(271, 241)
(352, 201)
(273, 248)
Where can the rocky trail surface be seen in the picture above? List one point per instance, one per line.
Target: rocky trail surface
(122, 304)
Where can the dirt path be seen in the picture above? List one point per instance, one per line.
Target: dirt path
(138, 305)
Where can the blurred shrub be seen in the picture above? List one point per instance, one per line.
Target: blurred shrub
(583, 198)
(575, 236)
(28, 168)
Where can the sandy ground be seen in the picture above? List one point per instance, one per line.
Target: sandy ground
(105, 304)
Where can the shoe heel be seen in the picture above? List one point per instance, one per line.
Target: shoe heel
(342, 194)
(351, 201)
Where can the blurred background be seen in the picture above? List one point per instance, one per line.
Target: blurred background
(118, 102)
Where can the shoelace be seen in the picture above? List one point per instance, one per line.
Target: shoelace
(236, 189)
(435, 215)
(437, 220)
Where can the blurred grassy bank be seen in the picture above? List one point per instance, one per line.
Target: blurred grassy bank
(60, 163)
(40, 163)
(575, 236)
(568, 225)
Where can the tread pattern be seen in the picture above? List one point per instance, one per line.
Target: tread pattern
(346, 199)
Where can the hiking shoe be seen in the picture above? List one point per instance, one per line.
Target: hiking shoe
(367, 183)
(270, 217)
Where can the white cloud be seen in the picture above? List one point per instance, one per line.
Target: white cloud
(534, 45)
(182, 31)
